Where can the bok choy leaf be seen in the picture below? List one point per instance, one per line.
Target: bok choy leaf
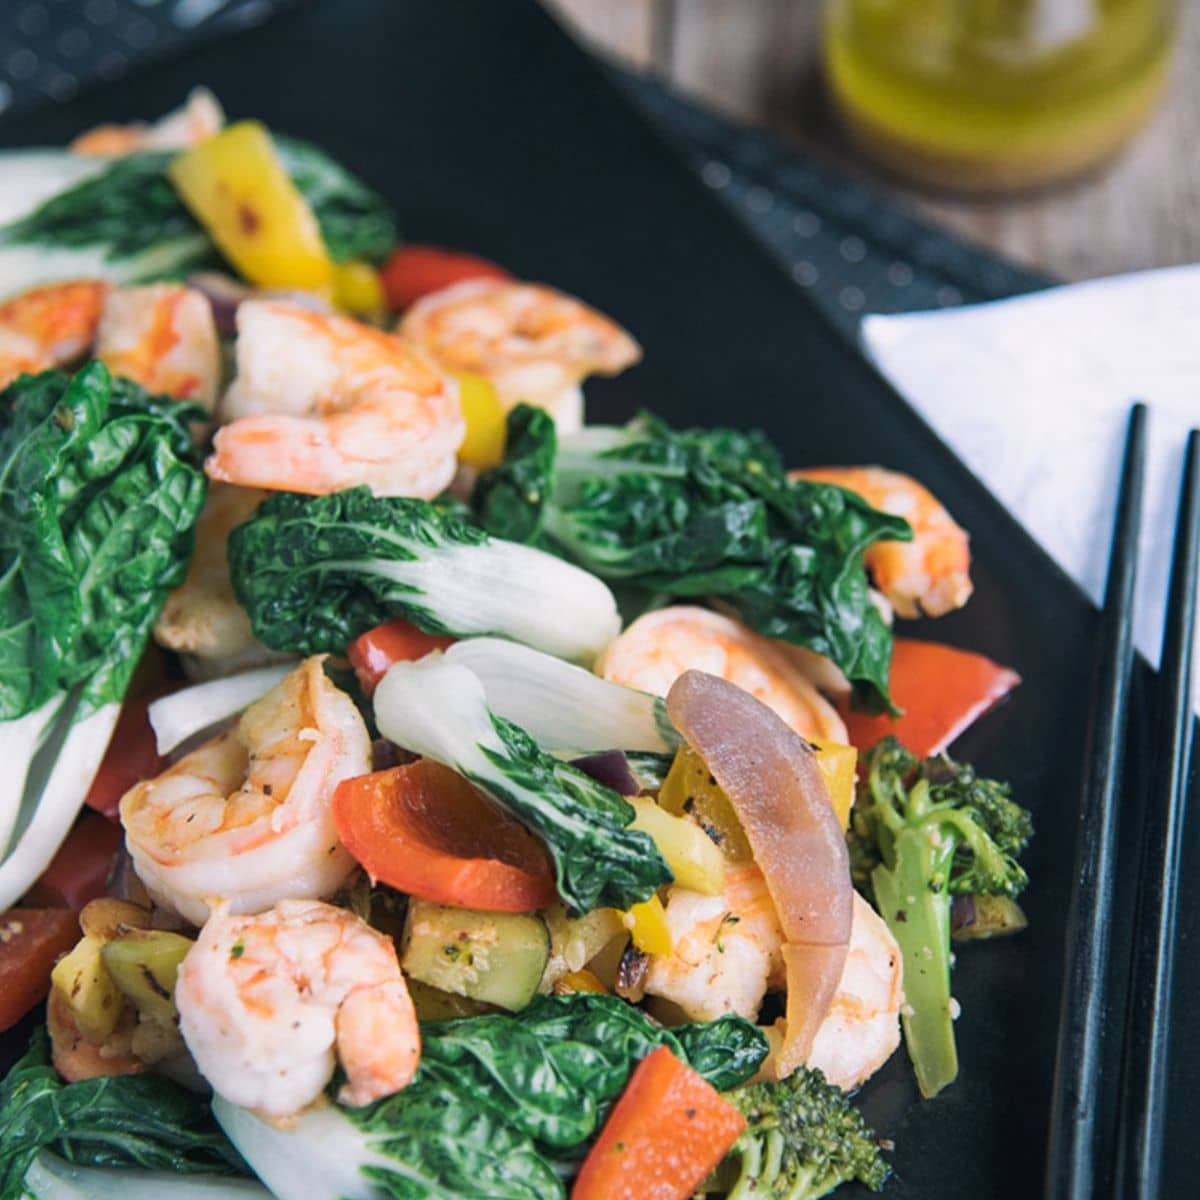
(138, 1121)
(502, 1108)
(707, 514)
(98, 500)
(439, 710)
(314, 572)
(67, 216)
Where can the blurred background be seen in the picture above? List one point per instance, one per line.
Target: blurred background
(1093, 65)
(1057, 135)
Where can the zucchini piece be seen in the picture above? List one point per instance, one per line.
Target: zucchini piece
(143, 964)
(432, 1004)
(497, 958)
(91, 995)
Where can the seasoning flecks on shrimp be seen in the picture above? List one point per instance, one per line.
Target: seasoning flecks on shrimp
(727, 950)
(535, 344)
(248, 816)
(929, 575)
(661, 645)
(163, 337)
(270, 1003)
(49, 326)
(322, 403)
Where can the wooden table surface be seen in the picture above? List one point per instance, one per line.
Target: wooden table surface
(756, 61)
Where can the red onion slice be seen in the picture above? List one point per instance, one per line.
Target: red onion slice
(772, 780)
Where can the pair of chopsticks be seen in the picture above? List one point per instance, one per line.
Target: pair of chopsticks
(1072, 1165)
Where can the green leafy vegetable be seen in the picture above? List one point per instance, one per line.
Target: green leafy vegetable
(923, 832)
(356, 222)
(127, 219)
(803, 1139)
(142, 1121)
(122, 220)
(706, 514)
(98, 500)
(502, 1107)
(554, 1070)
(438, 709)
(314, 572)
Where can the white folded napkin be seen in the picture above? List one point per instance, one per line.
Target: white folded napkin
(1034, 393)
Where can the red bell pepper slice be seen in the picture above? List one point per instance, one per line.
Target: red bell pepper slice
(669, 1129)
(79, 871)
(415, 271)
(31, 940)
(942, 691)
(424, 830)
(394, 641)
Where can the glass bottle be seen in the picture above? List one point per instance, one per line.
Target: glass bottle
(992, 95)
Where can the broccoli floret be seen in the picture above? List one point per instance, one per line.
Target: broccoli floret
(922, 832)
(803, 1138)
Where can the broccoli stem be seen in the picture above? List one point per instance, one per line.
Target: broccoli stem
(917, 911)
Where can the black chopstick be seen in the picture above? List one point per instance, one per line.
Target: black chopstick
(1071, 1157)
(1144, 1075)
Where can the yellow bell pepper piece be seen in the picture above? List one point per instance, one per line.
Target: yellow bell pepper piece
(694, 860)
(237, 188)
(837, 765)
(483, 446)
(690, 791)
(647, 925)
(94, 1000)
(358, 289)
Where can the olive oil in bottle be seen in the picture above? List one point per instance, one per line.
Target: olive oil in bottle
(991, 95)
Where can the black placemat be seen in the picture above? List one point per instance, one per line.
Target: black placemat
(851, 247)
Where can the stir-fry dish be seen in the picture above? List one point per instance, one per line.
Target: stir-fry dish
(409, 789)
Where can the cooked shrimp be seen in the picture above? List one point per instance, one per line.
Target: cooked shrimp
(862, 1029)
(535, 344)
(660, 646)
(49, 326)
(728, 953)
(201, 617)
(727, 949)
(196, 121)
(322, 403)
(248, 816)
(162, 336)
(929, 575)
(269, 1004)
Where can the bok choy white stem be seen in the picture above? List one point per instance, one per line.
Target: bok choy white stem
(51, 1178)
(563, 707)
(181, 715)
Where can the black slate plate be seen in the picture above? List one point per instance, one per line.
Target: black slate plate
(491, 131)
